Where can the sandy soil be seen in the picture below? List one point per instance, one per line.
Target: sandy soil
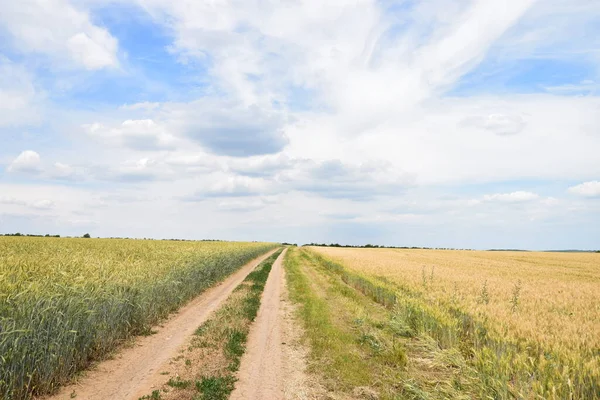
(274, 364)
(132, 372)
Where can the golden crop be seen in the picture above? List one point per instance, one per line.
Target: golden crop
(64, 302)
(558, 297)
(530, 322)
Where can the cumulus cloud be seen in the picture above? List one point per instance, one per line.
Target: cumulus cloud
(586, 189)
(230, 128)
(27, 162)
(514, 197)
(60, 30)
(135, 134)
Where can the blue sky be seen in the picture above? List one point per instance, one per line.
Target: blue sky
(470, 124)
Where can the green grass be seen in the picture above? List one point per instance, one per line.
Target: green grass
(336, 351)
(215, 387)
(178, 383)
(360, 345)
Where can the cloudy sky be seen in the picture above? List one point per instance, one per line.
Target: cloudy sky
(450, 123)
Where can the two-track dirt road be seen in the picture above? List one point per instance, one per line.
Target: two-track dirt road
(129, 375)
(262, 363)
(273, 366)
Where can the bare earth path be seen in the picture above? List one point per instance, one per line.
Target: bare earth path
(273, 366)
(129, 374)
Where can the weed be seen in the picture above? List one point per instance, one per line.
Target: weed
(516, 294)
(215, 388)
(484, 295)
(235, 345)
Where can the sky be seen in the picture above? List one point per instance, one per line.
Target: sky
(438, 123)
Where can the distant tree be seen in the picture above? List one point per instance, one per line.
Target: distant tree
(87, 236)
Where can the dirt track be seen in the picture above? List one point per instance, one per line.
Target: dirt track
(130, 374)
(273, 366)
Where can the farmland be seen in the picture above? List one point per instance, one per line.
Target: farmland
(362, 323)
(66, 302)
(516, 324)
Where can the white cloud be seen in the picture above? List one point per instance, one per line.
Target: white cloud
(586, 189)
(231, 186)
(20, 101)
(338, 180)
(63, 171)
(245, 205)
(500, 124)
(264, 166)
(28, 162)
(514, 197)
(136, 134)
(347, 53)
(43, 204)
(93, 54)
(133, 171)
(58, 29)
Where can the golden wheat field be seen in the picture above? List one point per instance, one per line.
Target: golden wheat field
(553, 298)
(528, 322)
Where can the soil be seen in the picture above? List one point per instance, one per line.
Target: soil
(274, 364)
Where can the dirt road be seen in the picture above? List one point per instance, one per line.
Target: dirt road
(129, 374)
(273, 366)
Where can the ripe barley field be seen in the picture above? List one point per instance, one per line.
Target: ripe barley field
(66, 302)
(529, 322)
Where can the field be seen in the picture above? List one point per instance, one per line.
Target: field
(319, 322)
(66, 302)
(528, 324)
